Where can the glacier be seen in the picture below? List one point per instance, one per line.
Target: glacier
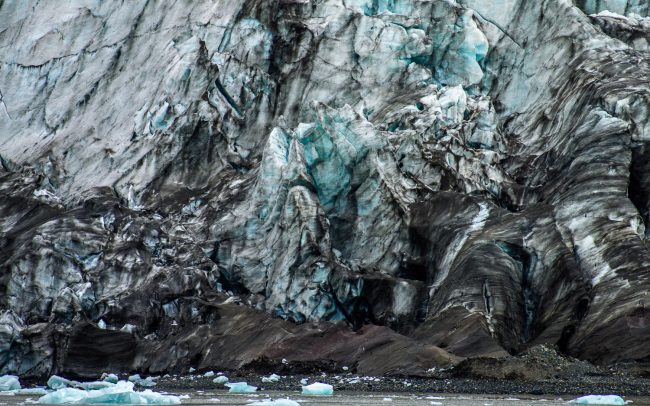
(208, 184)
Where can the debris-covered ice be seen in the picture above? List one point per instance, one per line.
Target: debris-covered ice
(270, 379)
(128, 328)
(119, 393)
(321, 389)
(241, 387)
(599, 400)
(9, 382)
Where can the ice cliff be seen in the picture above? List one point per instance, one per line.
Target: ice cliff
(219, 181)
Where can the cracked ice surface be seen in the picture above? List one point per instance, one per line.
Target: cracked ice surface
(448, 169)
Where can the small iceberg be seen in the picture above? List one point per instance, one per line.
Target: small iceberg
(120, 393)
(10, 386)
(222, 379)
(277, 402)
(112, 378)
(9, 383)
(138, 380)
(599, 400)
(56, 382)
(32, 391)
(209, 374)
(318, 389)
(271, 379)
(241, 387)
(25, 392)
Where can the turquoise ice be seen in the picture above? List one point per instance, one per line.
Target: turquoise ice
(599, 400)
(9, 382)
(57, 382)
(120, 393)
(241, 387)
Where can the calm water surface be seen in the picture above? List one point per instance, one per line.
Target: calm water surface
(358, 398)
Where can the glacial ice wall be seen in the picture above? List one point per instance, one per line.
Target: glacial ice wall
(472, 174)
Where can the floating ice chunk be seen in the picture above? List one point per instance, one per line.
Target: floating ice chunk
(112, 378)
(138, 380)
(101, 324)
(9, 382)
(599, 400)
(271, 379)
(220, 379)
(303, 381)
(209, 374)
(57, 382)
(277, 402)
(320, 389)
(32, 392)
(120, 393)
(192, 370)
(93, 385)
(241, 387)
(25, 392)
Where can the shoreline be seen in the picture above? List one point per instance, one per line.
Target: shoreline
(348, 382)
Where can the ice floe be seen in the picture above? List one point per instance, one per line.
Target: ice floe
(320, 389)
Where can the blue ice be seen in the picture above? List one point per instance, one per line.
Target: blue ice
(120, 393)
(599, 400)
(9, 382)
(241, 387)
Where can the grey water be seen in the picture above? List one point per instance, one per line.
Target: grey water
(390, 399)
(357, 398)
